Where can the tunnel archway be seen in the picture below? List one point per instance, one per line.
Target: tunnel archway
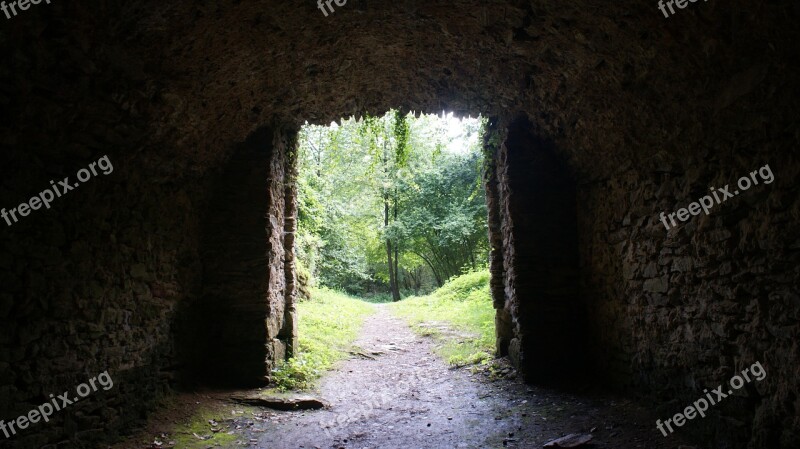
(540, 315)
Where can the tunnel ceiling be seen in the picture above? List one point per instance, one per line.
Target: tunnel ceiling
(614, 83)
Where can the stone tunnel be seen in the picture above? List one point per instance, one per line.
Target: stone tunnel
(177, 267)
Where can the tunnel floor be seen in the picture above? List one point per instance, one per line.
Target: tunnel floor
(396, 393)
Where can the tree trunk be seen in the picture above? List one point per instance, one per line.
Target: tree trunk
(392, 274)
(396, 293)
(397, 270)
(436, 274)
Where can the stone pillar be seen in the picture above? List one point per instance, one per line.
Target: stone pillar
(288, 333)
(503, 324)
(281, 226)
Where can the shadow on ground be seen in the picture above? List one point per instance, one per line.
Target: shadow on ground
(395, 393)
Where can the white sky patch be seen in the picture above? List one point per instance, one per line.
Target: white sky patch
(455, 130)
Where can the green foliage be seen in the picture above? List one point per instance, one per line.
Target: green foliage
(459, 316)
(296, 373)
(401, 132)
(448, 229)
(464, 353)
(374, 184)
(473, 285)
(378, 298)
(327, 326)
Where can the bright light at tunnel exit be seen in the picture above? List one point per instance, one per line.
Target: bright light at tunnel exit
(461, 133)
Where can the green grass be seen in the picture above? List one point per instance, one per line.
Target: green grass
(378, 298)
(328, 325)
(199, 424)
(459, 316)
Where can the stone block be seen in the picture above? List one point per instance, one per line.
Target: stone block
(140, 272)
(657, 285)
(681, 264)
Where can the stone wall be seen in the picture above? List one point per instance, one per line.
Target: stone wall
(111, 277)
(282, 278)
(674, 312)
(125, 274)
(94, 283)
(662, 313)
(90, 285)
(665, 314)
(504, 322)
(243, 324)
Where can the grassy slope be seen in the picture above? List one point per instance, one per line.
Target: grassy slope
(328, 324)
(463, 304)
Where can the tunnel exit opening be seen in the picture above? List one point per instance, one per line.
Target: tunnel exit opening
(391, 208)
(390, 203)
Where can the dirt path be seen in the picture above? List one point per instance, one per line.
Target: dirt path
(394, 393)
(405, 397)
(400, 395)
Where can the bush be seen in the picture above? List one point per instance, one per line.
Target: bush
(463, 304)
(328, 323)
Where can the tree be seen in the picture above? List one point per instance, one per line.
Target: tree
(387, 185)
(448, 228)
